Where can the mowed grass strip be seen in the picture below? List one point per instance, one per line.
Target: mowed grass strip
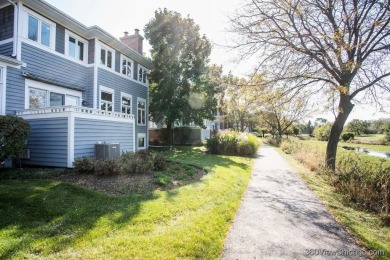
(49, 219)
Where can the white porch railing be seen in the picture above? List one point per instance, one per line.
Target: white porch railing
(83, 110)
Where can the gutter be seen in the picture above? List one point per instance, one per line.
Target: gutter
(16, 20)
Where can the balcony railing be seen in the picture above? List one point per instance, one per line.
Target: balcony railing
(64, 109)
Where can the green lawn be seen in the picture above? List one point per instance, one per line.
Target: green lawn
(43, 218)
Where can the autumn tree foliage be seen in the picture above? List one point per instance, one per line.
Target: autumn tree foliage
(335, 46)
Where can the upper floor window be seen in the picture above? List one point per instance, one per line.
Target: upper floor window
(141, 111)
(76, 48)
(141, 74)
(127, 67)
(39, 31)
(106, 57)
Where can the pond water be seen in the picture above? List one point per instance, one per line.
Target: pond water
(368, 152)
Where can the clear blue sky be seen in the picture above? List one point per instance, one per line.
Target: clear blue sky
(117, 16)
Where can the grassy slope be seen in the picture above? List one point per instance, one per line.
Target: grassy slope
(56, 220)
(366, 227)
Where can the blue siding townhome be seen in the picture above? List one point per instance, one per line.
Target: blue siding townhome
(76, 85)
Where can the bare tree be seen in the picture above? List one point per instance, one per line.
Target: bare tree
(339, 46)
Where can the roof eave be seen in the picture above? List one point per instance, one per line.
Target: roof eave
(88, 32)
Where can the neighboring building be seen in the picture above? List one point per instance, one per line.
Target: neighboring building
(76, 85)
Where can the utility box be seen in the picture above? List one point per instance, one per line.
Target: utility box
(107, 151)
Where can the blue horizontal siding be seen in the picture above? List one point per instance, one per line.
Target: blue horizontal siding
(48, 65)
(6, 49)
(120, 84)
(88, 132)
(48, 142)
(14, 91)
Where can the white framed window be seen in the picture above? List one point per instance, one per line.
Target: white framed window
(76, 47)
(141, 111)
(126, 103)
(107, 56)
(127, 66)
(142, 74)
(2, 91)
(39, 29)
(41, 95)
(141, 141)
(106, 99)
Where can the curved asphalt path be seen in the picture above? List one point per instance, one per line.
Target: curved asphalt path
(280, 218)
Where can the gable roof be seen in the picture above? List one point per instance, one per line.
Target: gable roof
(91, 32)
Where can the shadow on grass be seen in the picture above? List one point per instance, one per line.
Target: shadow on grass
(39, 216)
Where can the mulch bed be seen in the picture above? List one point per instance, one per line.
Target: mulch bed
(125, 184)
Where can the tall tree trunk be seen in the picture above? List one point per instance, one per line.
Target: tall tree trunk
(170, 133)
(345, 108)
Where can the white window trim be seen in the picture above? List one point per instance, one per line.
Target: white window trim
(78, 39)
(146, 114)
(123, 57)
(105, 47)
(131, 101)
(144, 70)
(109, 90)
(26, 13)
(3, 83)
(49, 88)
(144, 136)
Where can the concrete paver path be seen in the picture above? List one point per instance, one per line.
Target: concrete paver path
(280, 218)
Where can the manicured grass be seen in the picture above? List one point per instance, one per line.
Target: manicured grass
(49, 219)
(368, 228)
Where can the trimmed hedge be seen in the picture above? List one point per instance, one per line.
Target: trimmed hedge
(13, 135)
(233, 143)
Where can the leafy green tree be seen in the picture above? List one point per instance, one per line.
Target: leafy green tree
(322, 132)
(179, 89)
(357, 126)
(334, 46)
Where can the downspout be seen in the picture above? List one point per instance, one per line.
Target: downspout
(14, 51)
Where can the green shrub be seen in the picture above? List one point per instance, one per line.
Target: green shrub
(347, 136)
(84, 165)
(13, 135)
(248, 145)
(107, 167)
(159, 162)
(128, 163)
(322, 133)
(162, 179)
(233, 143)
